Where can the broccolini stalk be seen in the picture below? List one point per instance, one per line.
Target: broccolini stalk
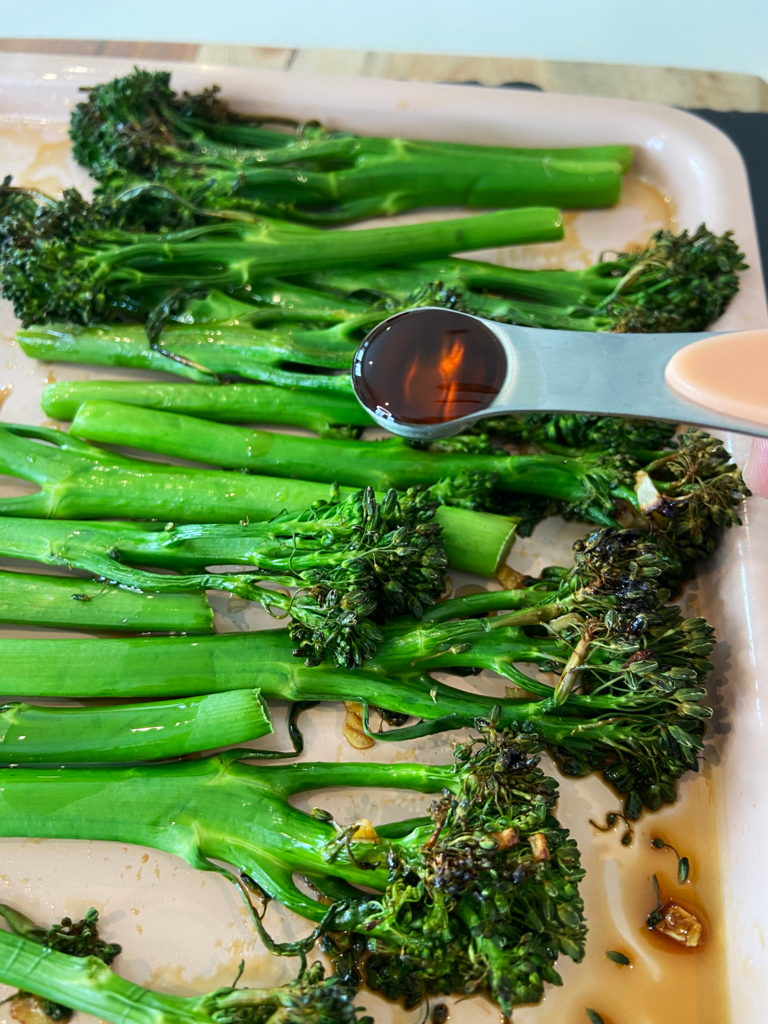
(137, 127)
(684, 495)
(78, 481)
(329, 415)
(590, 483)
(74, 939)
(82, 979)
(630, 668)
(31, 734)
(676, 283)
(68, 259)
(196, 352)
(429, 924)
(356, 563)
(66, 602)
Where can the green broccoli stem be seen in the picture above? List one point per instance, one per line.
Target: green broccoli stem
(198, 352)
(390, 176)
(32, 734)
(210, 810)
(66, 602)
(561, 290)
(676, 283)
(88, 985)
(78, 481)
(105, 263)
(390, 463)
(140, 668)
(327, 414)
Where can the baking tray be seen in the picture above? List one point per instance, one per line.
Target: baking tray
(185, 931)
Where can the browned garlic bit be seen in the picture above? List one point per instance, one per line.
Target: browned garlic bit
(353, 730)
(510, 578)
(539, 846)
(365, 832)
(680, 925)
(507, 839)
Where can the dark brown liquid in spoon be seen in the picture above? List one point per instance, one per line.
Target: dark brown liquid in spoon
(429, 366)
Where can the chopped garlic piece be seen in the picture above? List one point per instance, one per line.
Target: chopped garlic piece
(510, 578)
(353, 730)
(539, 846)
(507, 838)
(365, 832)
(679, 925)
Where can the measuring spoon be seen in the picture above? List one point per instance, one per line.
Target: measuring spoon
(427, 373)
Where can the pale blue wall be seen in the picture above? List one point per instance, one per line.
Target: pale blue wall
(726, 35)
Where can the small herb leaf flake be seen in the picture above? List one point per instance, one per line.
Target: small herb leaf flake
(683, 870)
(618, 958)
(594, 1017)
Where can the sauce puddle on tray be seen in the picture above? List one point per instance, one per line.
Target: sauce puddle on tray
(666, 983)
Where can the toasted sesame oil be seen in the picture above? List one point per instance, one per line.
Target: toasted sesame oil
(429, 366)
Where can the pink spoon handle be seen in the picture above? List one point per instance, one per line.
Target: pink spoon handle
(725, 372)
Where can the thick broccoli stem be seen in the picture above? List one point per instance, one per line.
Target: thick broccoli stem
(327, 414)
(66, 602)
(391, 176)
(31, 734)
(197, 352)
(136, 670)
(558, 289)
(78, 481)
(383, 464)
(210, 810)
(88, 985)
(108, 264)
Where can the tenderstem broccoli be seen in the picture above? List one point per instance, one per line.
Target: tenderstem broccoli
(66, 602)
(329, 415)
(481, 896)
(72, 260)
(138, 128)
(356, 563)
(683, 495)
(677, 283)
(71, 972)
(35, 734)
(79, 481)
(630, 668)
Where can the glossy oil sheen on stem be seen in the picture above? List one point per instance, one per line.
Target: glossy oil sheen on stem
(33, 734)
(66, 602)
(79, 481)
(381, 464)
(214, 809)
(321, 412)
(88, 985)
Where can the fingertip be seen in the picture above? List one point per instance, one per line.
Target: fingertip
(756, 469)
